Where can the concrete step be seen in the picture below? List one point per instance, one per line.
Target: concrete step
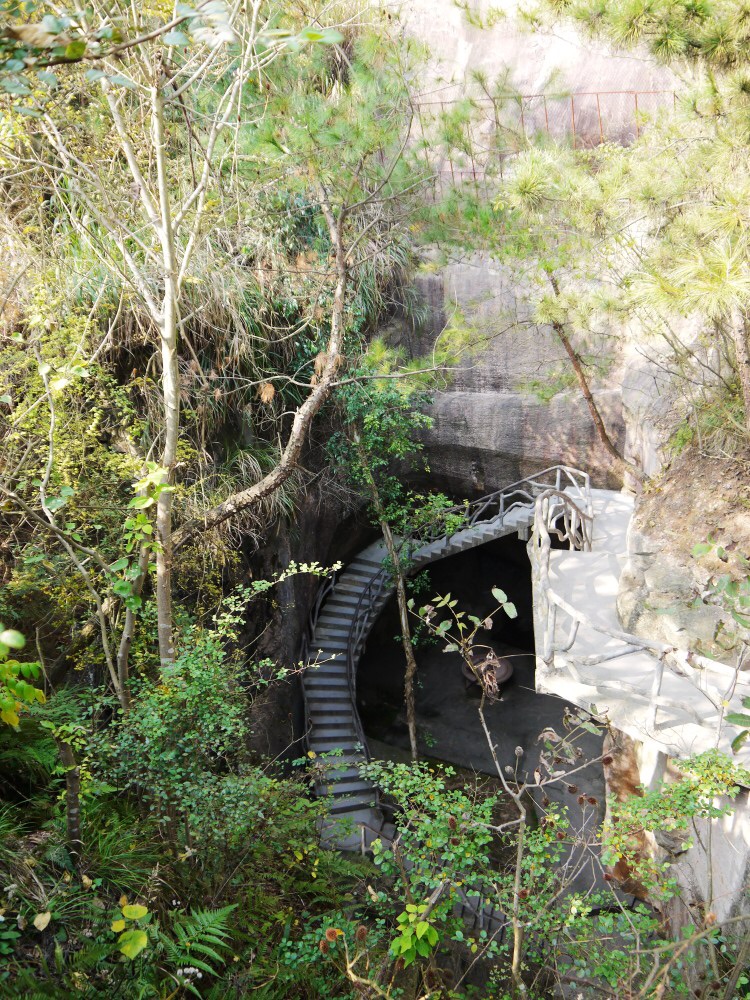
(338, 788)
(329, 668)
(336, 728)
(333, 633)
(352, 588)
(337, 612)
(360, 571)
(348, 747)
(328, 696)
(320, 652)
(338, 621)
(325, 719)
(340, 602)
(352, 803)
(334, 739)
(344, 832)
(340, 774)
(324, 687)
(366, 562)
(329, 645)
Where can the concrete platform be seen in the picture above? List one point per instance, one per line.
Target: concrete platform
(598, 667)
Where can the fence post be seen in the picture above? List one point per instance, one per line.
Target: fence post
(573, 117)
(656, 690)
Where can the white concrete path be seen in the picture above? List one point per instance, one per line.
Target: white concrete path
(601, 670)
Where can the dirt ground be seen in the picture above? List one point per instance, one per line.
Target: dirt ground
(695, 500)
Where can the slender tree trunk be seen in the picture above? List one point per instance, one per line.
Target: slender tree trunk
(128, 630)
(622, 464)
(304, 416)
(740, 966)
(403, 610)
(170, 377)
(72, 800)
(742, 354)
(403, 614)
(519, 931)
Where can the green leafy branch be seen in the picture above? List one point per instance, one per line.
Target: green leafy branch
(15, 689)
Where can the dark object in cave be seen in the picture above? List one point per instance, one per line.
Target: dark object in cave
(488, 671)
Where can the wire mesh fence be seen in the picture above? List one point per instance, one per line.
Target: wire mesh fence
(469, 141)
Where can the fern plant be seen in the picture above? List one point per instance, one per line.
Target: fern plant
(196, 944)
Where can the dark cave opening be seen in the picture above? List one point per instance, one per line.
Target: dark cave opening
(447, 718)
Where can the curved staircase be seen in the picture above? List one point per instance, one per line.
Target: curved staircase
(344, 614)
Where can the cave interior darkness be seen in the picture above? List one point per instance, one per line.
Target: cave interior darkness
(448, 724)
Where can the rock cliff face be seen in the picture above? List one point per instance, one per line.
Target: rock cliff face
(559, 61)
(489, 427)
(491, 424)
(589, 89)
(691, 501)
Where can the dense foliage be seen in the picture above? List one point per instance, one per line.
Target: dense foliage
(207, 212)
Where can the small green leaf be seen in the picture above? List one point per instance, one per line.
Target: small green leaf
(510, 609)
(120, 564)
(132, 942)
(134, 911)
(423, 948)
(74, 50)
(122, 81)
(500, 596)
(324, 36)
(10, 637)
(139, 503)
(736, 718)
(739, 741)
(175, 38)
(47, 78)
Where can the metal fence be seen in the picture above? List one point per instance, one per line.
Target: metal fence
(469, 140)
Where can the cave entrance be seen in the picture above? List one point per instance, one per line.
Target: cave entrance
(448, 724)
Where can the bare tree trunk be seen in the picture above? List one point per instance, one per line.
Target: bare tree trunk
(72, 800)
(128, 630)
(304, 416)
(622, 464)
(170, 378)
(403, 614)
(740, 966)
(742, 354)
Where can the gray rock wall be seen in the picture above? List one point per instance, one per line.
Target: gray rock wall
(490, 427)
(559, 62)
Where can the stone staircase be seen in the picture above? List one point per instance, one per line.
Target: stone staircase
(336, 645)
